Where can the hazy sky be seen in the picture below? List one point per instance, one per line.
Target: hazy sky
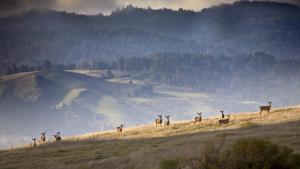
(8, 7)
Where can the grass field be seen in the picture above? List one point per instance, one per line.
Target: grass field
(147, 146)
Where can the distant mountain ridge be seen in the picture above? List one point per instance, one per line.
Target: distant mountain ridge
(231, 30)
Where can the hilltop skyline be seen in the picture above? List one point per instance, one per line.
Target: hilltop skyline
(93, 7)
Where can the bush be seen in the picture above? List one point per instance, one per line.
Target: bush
(250, 154)
(169, 164)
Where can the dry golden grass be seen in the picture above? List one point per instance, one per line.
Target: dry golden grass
(145, 146)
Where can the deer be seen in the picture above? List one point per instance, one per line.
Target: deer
(43, 137)
(224, 121)
(159, 120)
(265, 108)
(198, 119)
(119, 129)
(34, 142)
(57, 137)
(223, 115)
(168, 121)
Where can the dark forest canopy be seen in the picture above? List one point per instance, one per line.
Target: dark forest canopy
(225, 30)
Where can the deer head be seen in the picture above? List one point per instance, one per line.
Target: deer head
(34, 140)
(43, 134)
(58, 133)
(122, 125)
(222, 111)
(199, 114)
(167, 117)
(270, 103)
(228, 115)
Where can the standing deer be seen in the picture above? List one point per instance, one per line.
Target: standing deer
(223, 115)
(168, 121)
(265, 108)
(119, 129)
(159, 120)
(57, 137)
(34, 142)
(43, 137)
(224, 121)
(198, 119)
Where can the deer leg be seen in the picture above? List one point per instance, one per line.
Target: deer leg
(260, 112)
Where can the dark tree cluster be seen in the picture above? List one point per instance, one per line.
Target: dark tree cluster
(19, 68)
(257, 76)
(62, 38)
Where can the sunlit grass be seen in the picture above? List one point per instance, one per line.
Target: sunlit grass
(154, 147)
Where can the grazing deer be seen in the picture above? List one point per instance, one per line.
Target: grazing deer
(57, 137)
(159, 120)
(119, 129)
(43, 137)
(224, 121)
(265, 108)
(34, 142)
(168, 121)
(223, 115)
(198, 119)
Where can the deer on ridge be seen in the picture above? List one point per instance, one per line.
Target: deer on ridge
(224, 121)
(168, 120)
(57, 137)
(119, 129)
(265, 108)
(199, 118)
(158, 120)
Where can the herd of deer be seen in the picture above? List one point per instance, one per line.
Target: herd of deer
(159, 121)
(42, 140)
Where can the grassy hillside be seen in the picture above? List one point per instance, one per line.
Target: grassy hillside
(150, 146)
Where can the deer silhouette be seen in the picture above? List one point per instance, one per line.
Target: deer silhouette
(119, 129)
(224, 121)
(223, 115)
(265, 108)
(168, 121)
(159, 120)
(43, 137)
(34, 142)
(199, 118)
(57, 136)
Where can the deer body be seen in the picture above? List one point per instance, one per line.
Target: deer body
(265, 108)
(224, 121)
(168, 121)
(119, 129)
(43, 137)
(34, 142)
(198, 119)
(57, 137)
(159, 120)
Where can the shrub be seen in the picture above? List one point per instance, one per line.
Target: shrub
(169, 164)
(250, 154)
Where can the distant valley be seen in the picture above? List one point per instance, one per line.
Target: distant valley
(81, 101)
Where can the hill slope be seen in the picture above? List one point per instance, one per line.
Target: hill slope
(77, 102)
(147, 146)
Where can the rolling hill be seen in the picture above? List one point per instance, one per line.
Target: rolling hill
(182, 143)
(81, 101)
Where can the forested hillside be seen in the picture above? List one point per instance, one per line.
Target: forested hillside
(225, 30)
(254, 77)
